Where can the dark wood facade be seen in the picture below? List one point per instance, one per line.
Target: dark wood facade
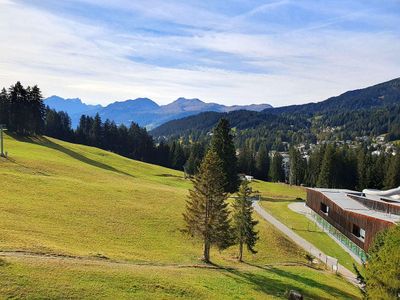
(345, 221)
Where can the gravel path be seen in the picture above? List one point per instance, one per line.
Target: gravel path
(307, 246)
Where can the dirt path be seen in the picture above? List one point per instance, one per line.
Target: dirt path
(97, 260)
(105, 261)
(307, 246)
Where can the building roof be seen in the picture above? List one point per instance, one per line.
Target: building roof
(341, 198)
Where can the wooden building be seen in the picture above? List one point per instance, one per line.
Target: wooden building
(351, 217)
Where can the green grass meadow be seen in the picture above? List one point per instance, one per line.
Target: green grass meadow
(276, 202)
(100, 226)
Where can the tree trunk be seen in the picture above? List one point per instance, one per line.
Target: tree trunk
(206, 255)
(241, 251)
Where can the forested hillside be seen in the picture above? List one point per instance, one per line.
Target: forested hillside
(371, 112)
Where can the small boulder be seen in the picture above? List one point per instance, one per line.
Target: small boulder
(295, 295)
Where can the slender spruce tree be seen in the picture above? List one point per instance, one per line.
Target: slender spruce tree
(326, 176)
(222, 144)
(262, 162)
(392, 178)
(206, 215)
(4, 107)
(297, 167)
(276, 172)
(37, 110)
(193, 162)
(243, 222)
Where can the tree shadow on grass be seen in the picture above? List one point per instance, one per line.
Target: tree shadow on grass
(44, 141)
(281, 287)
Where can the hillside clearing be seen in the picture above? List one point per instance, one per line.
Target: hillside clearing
(65, 199)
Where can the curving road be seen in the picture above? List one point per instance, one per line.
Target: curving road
(307, 246)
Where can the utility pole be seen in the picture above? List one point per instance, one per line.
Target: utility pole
(2, 128)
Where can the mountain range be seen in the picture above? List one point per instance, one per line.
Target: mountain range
(335, 111)
(143, 111)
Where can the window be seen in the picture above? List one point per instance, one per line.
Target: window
(358, 232)
(324, 208)
(362, 234)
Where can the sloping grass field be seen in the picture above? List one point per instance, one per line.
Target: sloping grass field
(79, 222)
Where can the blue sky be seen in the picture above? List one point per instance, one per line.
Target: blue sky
(233, 52)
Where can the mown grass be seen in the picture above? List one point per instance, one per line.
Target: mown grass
(36, 279)
(69, 199)
(276, 202)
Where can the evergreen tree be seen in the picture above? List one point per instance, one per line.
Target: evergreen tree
(18, 110)
(58, 125)
(378, 172)
(345, 168)
(262, 162)
(246, 163)
(96, 131)
(222, 144)
(382, 272)
(392, 179)
(194, 160)
(297, 167)
(276, 172)
(4, 107)
(314, 166)
(243, 223)
(325, 178)
(37, 110)
(162, 154)
(206, 215)
(362, 169)
(178, 158)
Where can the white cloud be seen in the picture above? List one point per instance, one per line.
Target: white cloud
(73, 59)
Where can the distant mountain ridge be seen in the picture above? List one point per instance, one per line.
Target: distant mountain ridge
(143, 111)
(384, 94)
(381, 94)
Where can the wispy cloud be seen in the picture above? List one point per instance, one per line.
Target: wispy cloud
(280, 52)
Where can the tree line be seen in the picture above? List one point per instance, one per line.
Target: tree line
(22, 109)
(334, 166)
(23, 112)
(327, 165)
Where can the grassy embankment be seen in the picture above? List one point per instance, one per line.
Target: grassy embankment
(277, 197)
(113, 226)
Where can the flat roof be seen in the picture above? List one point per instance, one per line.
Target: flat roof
(340, 197)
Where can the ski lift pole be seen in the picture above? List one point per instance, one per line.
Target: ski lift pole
(2, 128)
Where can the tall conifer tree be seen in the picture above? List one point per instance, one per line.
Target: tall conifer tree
(262, 162)
(4, 105)
(276, 172)
(243, 222)
(222, 144)
(207, 215)
(325, 178)
(392, 178)
(297, 167)
(193, 162)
